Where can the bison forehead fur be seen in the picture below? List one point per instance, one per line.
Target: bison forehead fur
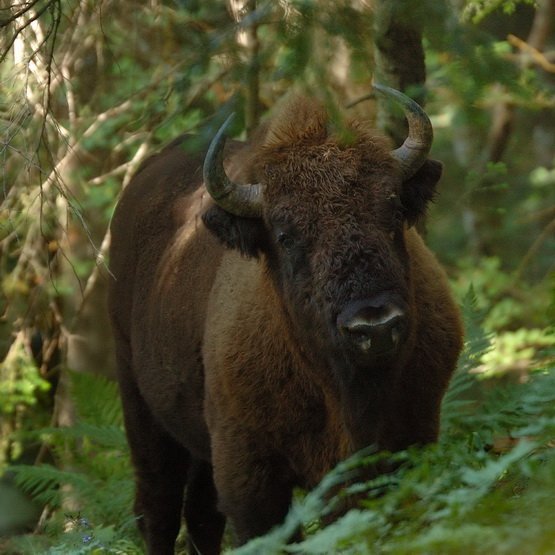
(254, 353)
(301, 159)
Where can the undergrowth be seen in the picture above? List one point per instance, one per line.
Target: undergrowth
(486, 486)
(88, 493)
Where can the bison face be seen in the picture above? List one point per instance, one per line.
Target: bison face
(332, 238)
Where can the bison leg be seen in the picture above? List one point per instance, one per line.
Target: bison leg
(253, 492)
(205, 524)
(160, 468)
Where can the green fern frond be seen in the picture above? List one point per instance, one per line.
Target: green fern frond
(96, 399)
(460, 399)
(94, 473)
(107, 436)
(43, 481)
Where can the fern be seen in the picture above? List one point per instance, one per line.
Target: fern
(95, 476)
(43, 482)
(459, 399)
(96, 399)
(108, 435)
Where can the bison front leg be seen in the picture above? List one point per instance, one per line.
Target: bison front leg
(254, 486)
(160, 469)
(205, 525)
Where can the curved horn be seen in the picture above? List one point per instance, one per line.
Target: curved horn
(414, 151)
(240, 200)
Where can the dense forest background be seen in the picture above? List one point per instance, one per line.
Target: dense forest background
(88, 89)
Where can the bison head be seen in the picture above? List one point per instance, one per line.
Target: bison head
(328, 216)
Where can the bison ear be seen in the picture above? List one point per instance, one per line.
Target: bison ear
(420, 189)
(235, 232)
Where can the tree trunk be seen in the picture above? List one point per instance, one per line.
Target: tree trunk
(247, 38)
(399, 63)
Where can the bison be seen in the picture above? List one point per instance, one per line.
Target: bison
(274, 311)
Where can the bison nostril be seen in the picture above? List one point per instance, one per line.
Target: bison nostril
(395, 335)
(359, 334)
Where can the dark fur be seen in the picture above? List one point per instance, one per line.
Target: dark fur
(233, 377)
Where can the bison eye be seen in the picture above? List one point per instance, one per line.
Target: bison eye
(285, 240)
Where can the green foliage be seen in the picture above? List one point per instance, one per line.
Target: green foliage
(97, 400)
(504, 303)
(20, 381)
(477, 10)
(516, 319)
(460, 399)
(541, 178)
(517, 350)
(90, 490)
(22, 387)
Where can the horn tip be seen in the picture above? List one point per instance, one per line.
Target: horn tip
(225, 126)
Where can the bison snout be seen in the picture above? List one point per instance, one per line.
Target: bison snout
(374, 326)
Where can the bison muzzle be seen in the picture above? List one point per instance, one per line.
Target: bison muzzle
(274, 311)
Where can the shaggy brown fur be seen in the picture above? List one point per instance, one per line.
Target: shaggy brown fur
(234, 379)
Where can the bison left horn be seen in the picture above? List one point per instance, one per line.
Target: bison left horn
(414, 151)
(240, 200)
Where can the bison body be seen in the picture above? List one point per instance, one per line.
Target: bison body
(259, 347)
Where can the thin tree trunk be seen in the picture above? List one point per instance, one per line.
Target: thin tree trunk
(399, 63)
(247, 37)
(252, 87)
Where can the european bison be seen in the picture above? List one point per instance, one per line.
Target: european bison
(274, 317)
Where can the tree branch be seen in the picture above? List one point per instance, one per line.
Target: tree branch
(26, 7)
(399, 59)
(244, 12)
(534, 53)
(101, 253)
(547, 233)
(27, 23)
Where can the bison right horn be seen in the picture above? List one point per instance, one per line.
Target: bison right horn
(240, 200)
(414, 151)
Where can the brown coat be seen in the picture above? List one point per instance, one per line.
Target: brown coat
(237, 374)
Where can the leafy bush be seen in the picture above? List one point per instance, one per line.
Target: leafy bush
(20, 381)
(88, 493)
(21, 387)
